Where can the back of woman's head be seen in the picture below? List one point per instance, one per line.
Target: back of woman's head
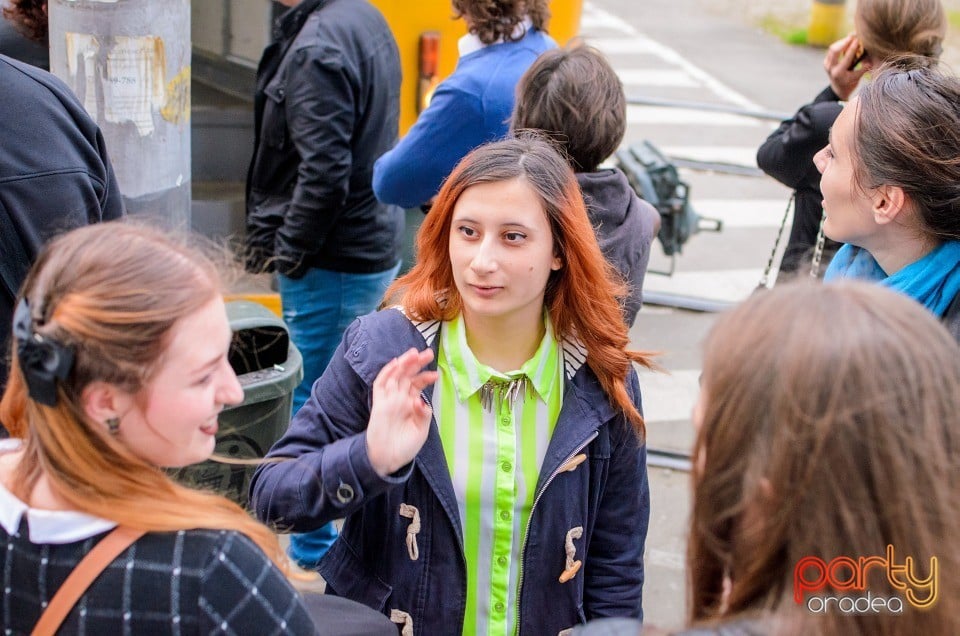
(908, 135)
(830, 424)
(890, 28)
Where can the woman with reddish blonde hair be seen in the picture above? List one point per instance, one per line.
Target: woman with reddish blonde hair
(120, 369)
(517, 498)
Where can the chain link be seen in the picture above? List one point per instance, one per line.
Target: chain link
(765, 278)
(818, 249)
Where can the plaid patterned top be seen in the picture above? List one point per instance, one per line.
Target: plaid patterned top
(186, 582)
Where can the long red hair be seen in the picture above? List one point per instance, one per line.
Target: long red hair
(582, 296)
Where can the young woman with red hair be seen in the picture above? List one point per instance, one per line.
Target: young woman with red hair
(515, 497)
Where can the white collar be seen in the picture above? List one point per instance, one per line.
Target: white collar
(470, 43)
(46, 526)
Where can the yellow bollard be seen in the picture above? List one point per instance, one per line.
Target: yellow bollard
(827, 18)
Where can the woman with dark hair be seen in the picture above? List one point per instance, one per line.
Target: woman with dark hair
(884, 29)
(516, 498)
(890, 187)
(470, 107)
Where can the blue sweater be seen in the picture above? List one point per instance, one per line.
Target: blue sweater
(469, 108)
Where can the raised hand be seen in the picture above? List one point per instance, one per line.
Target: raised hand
(839, 65)
(399, 417)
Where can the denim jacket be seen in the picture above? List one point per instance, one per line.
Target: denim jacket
(407, 560)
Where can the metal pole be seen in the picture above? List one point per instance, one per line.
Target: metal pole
(129, 63)
(827, 19)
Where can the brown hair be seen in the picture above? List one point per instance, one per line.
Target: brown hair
(581, 297)
(889, 28)
(574, 96)
(113, 292)
(830, 423)
(492, 20)
(908, 134)
(30, 16)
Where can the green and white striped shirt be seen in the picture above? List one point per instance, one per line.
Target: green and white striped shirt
(494, 456)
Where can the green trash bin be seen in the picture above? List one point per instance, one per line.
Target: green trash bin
(269, 367)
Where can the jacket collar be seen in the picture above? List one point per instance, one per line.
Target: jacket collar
(585, 408)
(291, 21)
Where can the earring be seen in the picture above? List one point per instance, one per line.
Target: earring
(113, 425)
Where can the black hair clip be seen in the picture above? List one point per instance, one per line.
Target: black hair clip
(43, 360)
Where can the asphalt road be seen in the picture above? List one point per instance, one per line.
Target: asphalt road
(697, 51)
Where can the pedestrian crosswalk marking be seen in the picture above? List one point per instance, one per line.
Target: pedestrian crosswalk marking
(675, 393)
(681, 116)
(740, 155)
(594, 17)
(743, 213)
(730, 285)
(655, 77)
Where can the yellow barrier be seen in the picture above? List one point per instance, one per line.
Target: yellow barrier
(827, 22)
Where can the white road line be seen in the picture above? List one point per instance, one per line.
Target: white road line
(656, 77)
(729, 285)
(741, 155)
(594, 16)
(682, 116)
(669, 398)
(743, 213)
(665, 558)
(621, 46)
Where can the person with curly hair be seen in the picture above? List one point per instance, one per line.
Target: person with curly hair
(23, 31)
(471, 107)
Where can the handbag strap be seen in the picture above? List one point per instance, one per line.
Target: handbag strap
(89, 568)
(765, 277)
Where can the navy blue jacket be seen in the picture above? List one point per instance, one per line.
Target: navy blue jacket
(607, 495)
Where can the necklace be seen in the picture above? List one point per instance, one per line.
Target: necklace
(498, 390)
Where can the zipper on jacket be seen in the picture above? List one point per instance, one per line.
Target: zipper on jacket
(526, 532)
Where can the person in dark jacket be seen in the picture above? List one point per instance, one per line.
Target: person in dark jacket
(54, 175)
(885, 29)
(889, 185)
(574, 96)
(327, 105)
(514, 494)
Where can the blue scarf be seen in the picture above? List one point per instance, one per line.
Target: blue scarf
(933, 281)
